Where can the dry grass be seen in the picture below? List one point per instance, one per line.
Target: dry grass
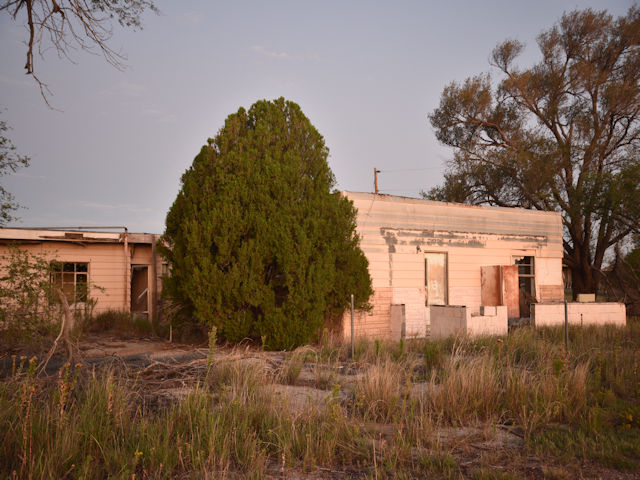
(458, 408)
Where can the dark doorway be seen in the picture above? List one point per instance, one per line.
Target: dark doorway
(140, 289)
(526, 284)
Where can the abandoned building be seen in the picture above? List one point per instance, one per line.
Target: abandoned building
(442, 268)
(119, 270)
(437, 268)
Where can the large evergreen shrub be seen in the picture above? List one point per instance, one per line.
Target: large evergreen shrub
(260, 244)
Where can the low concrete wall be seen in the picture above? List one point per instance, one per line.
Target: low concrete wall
(447, 321)
(491, 323)
(552, 314)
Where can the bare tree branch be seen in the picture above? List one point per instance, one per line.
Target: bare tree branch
(69, 24)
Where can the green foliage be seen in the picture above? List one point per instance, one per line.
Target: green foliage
(120, 323)
(561, 135)
(432, 355)
(28, 309)
(260, 245)
(30, 306)
(10, 161)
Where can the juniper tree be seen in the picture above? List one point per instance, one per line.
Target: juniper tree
(259, 243)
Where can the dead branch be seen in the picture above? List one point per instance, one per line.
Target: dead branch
(69, 24)
(65, 334)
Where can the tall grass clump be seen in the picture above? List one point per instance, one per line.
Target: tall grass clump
(379, 393)
(78, 426)
(522, 378)
(294, 364)
(120, 323)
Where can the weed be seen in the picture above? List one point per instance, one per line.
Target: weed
(378, 393)
(121, 323)
(432, 355)
(294, 364)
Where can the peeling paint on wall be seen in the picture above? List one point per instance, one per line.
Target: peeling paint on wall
(441, 238)
(390, 239)
(538, 240)
(398, 234)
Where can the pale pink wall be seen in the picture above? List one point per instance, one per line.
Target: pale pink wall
(106, 267)
(395, 232)
(579, 314)
(107, 261)
(448, 321)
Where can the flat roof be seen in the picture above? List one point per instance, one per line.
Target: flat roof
(74, 235)
(422, 201)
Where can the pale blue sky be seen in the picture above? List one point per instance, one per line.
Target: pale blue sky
(366, 74)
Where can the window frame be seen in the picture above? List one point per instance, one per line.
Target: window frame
(523, 274)
(62, 269)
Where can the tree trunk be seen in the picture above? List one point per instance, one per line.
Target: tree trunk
(584, 279)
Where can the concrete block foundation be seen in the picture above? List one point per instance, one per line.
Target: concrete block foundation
(447, 321)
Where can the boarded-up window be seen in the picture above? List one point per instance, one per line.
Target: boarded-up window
(72, 278)
(435, 275)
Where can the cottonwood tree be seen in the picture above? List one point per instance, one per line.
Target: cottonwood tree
(623, 277)
(69, 24)
(10, 161)
(259, 243)
(562, 134)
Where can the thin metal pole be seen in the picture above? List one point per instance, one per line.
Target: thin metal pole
(375, 178)
(566, 328)
(353, 344)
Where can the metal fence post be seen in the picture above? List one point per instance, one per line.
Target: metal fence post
(353, 344)
(566, 328)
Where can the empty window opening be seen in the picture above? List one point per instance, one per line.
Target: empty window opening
(72, 278)
(435, 278)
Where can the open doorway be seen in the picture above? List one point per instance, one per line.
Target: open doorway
(526, 284)
(140, 290)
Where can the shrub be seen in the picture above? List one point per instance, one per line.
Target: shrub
(28, 306)
(119, 322)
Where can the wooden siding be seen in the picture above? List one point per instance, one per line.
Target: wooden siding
(395, 233)
(104, 253)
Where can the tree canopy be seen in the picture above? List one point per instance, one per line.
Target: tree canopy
(260, 245)
(562, 135)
